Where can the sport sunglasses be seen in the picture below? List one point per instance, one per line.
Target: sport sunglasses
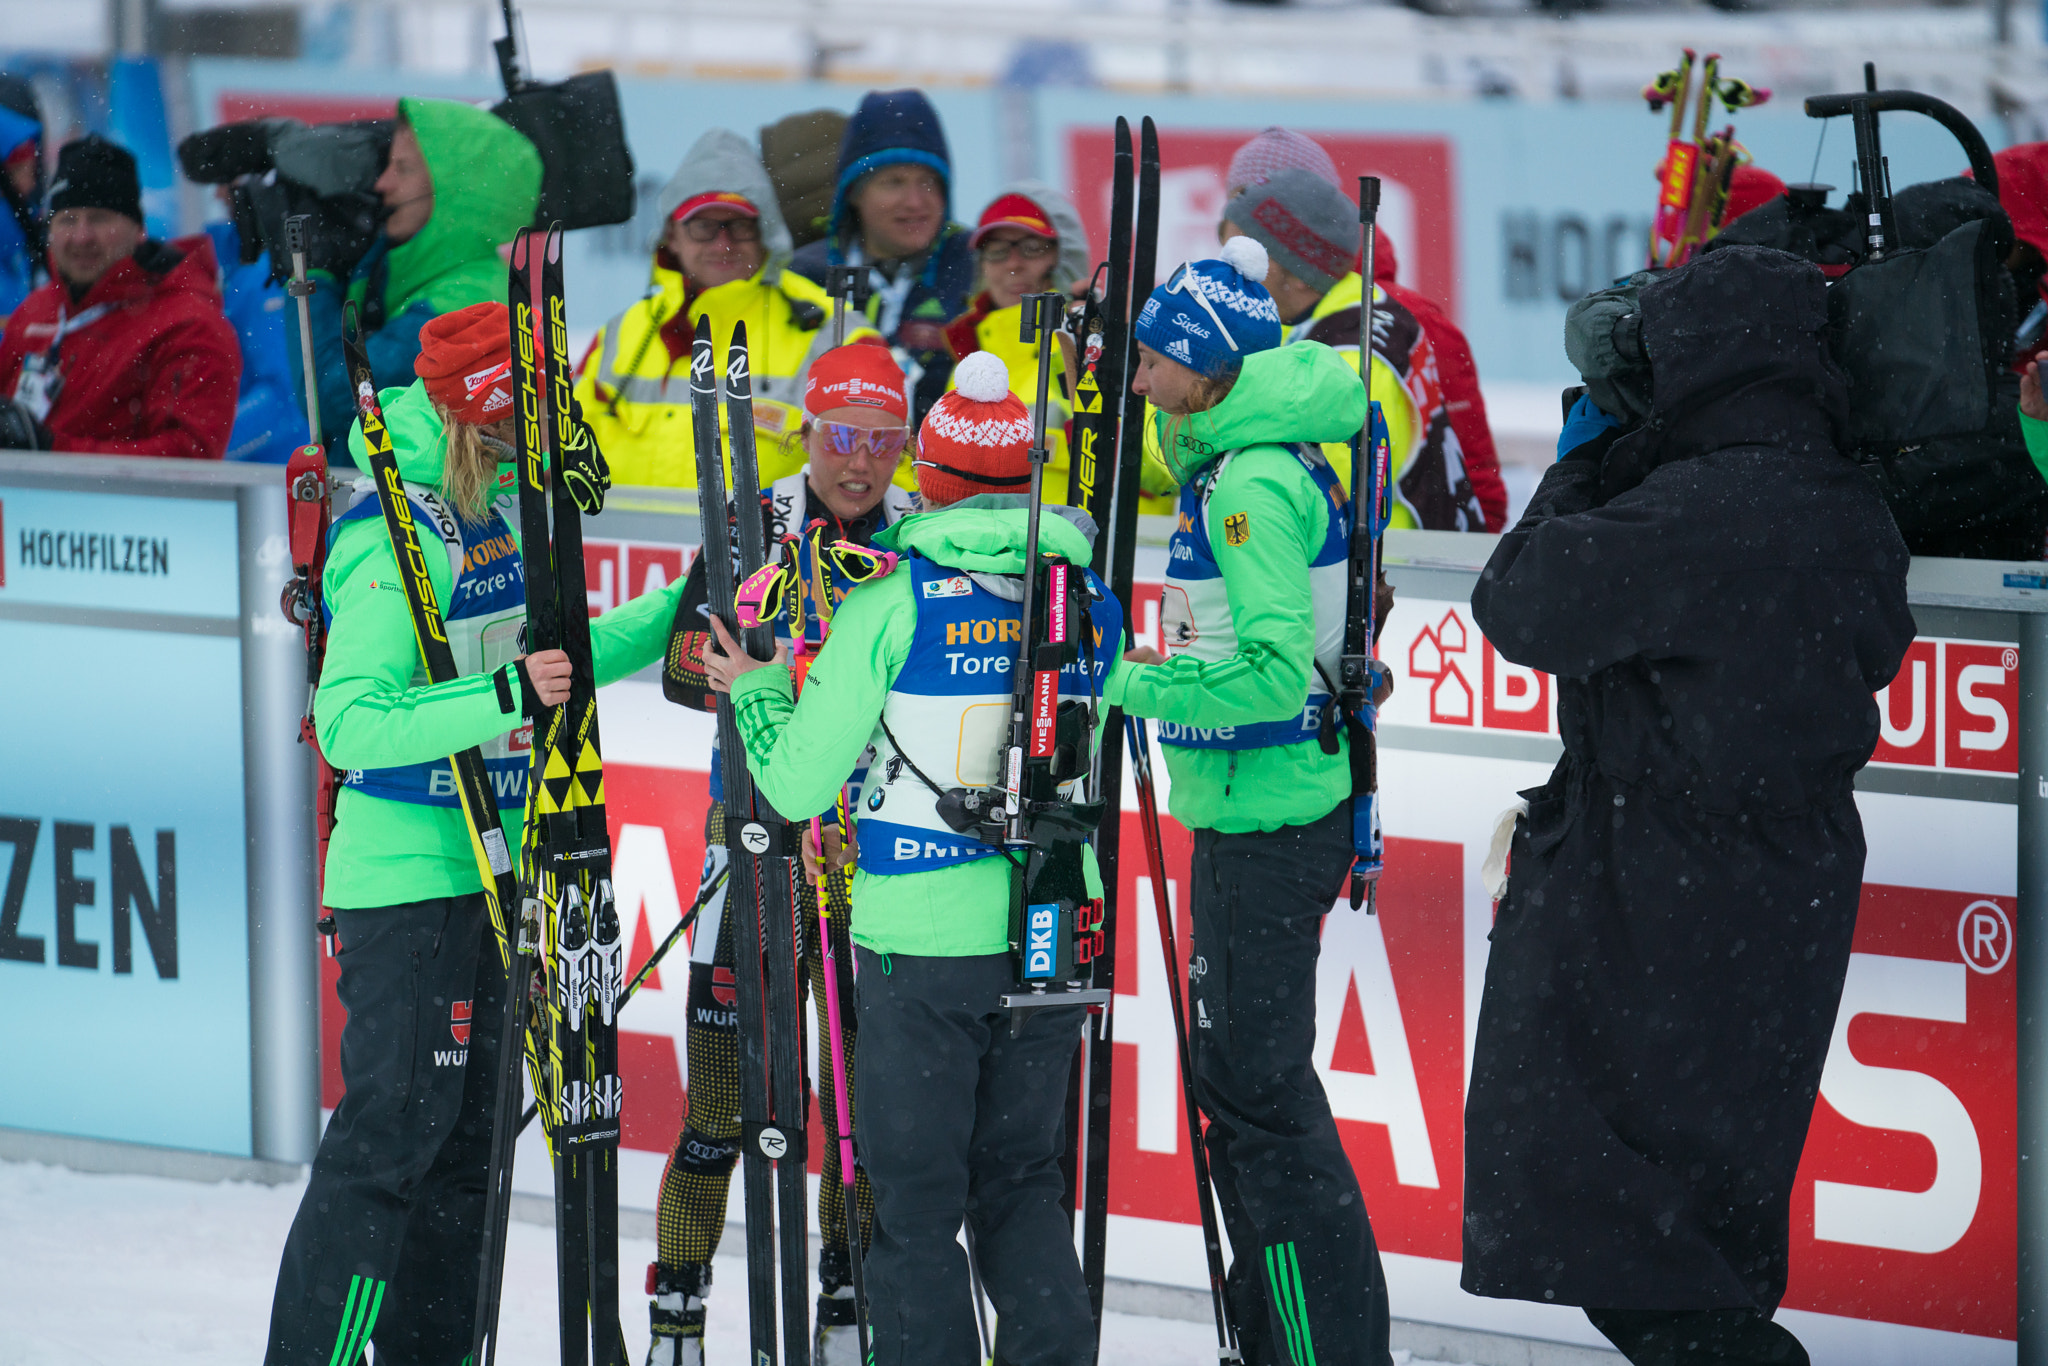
(844, 438)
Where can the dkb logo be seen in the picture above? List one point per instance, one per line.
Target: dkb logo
(1038, 954)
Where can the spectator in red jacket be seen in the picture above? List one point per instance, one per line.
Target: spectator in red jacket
(1460, 380)
(125, 351)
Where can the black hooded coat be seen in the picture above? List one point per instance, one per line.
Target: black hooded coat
(1719, 593)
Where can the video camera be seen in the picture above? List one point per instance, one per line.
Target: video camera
(279, 168)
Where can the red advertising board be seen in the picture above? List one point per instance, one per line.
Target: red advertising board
(1417, 205)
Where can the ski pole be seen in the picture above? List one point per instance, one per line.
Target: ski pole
(1136, 736)
(988, 1344)
(842, 1100)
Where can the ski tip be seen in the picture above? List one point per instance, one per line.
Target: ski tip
(702, 336)
(521, 247)
(739, 336)
(554, 253)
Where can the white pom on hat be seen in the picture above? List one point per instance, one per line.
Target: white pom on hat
(1247, 256)
(982, 376)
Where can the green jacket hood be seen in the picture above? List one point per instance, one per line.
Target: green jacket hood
(416, 440)
(985, 534)
(1300, 393)
(486, 188)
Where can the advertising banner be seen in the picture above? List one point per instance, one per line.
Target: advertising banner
(124, 948)
(1904, 1214)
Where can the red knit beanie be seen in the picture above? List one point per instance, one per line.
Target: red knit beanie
(1750, 187)
(466, 359)
(976, 438)
(859, 374)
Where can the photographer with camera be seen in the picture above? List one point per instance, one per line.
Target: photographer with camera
(125, 351)
(459, 182)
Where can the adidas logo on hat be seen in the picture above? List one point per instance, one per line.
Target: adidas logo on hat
(1179, 350)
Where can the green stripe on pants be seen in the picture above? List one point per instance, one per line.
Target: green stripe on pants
(1290, 1302)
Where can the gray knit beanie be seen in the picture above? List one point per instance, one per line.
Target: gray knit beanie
(1304, 222)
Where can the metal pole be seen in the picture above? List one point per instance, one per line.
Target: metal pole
(277, 775)
(2031, 962)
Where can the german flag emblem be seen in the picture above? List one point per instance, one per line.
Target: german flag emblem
(1237, 528)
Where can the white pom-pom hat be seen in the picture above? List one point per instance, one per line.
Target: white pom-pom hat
(976, 438)
(983, 377)
(1247, 256)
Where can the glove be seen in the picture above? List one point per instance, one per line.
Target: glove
(1588, 432)
(19, 430)
(584, 470)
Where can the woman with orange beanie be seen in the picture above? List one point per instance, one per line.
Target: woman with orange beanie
(385, 1246)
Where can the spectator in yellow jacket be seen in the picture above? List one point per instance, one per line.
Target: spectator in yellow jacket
(721, 249)
(1027, 241)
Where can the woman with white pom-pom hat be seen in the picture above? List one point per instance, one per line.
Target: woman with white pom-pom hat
(1252, 620)
(959, 1118)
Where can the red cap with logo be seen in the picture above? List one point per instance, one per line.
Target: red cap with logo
(466, 360)
(714, 199)
(1013, 211)
(859, 374)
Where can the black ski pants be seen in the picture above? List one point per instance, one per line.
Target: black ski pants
(959, 1120)
(1698, 1337)
(386, 1244)
(1305, 1280)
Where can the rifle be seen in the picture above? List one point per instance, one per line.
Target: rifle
(1371, 479)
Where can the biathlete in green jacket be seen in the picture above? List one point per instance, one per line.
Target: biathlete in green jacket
(959, 1119)
(385, 1246)
(1252, 621)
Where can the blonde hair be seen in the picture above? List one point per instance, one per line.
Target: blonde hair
(469, 469)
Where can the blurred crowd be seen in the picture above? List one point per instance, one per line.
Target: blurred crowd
(122, 345)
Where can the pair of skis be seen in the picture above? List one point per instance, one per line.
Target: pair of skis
(565, 854)
(765, 877)
(1104, 482)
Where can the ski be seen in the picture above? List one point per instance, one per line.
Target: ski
(472, 778)
(759, 862)
(1115, 556)
(779, 875)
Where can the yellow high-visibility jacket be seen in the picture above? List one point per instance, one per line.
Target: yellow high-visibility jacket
(634, 382)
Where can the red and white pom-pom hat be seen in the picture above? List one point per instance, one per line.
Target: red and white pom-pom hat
(976, 438)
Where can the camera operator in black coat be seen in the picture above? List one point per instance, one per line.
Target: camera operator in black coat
(1720, 593)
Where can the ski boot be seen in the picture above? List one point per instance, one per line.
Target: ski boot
(676, 1313)
(838, 1341)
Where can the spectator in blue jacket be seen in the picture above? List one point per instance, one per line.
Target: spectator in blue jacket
(892, 211)
(21, 185)
(270, 423)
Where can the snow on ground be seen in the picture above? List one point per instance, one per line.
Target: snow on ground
(96, 1265)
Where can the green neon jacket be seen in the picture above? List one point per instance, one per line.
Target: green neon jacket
(369, 715)
(1303, 392)
(2035, 432)
(800, 752)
